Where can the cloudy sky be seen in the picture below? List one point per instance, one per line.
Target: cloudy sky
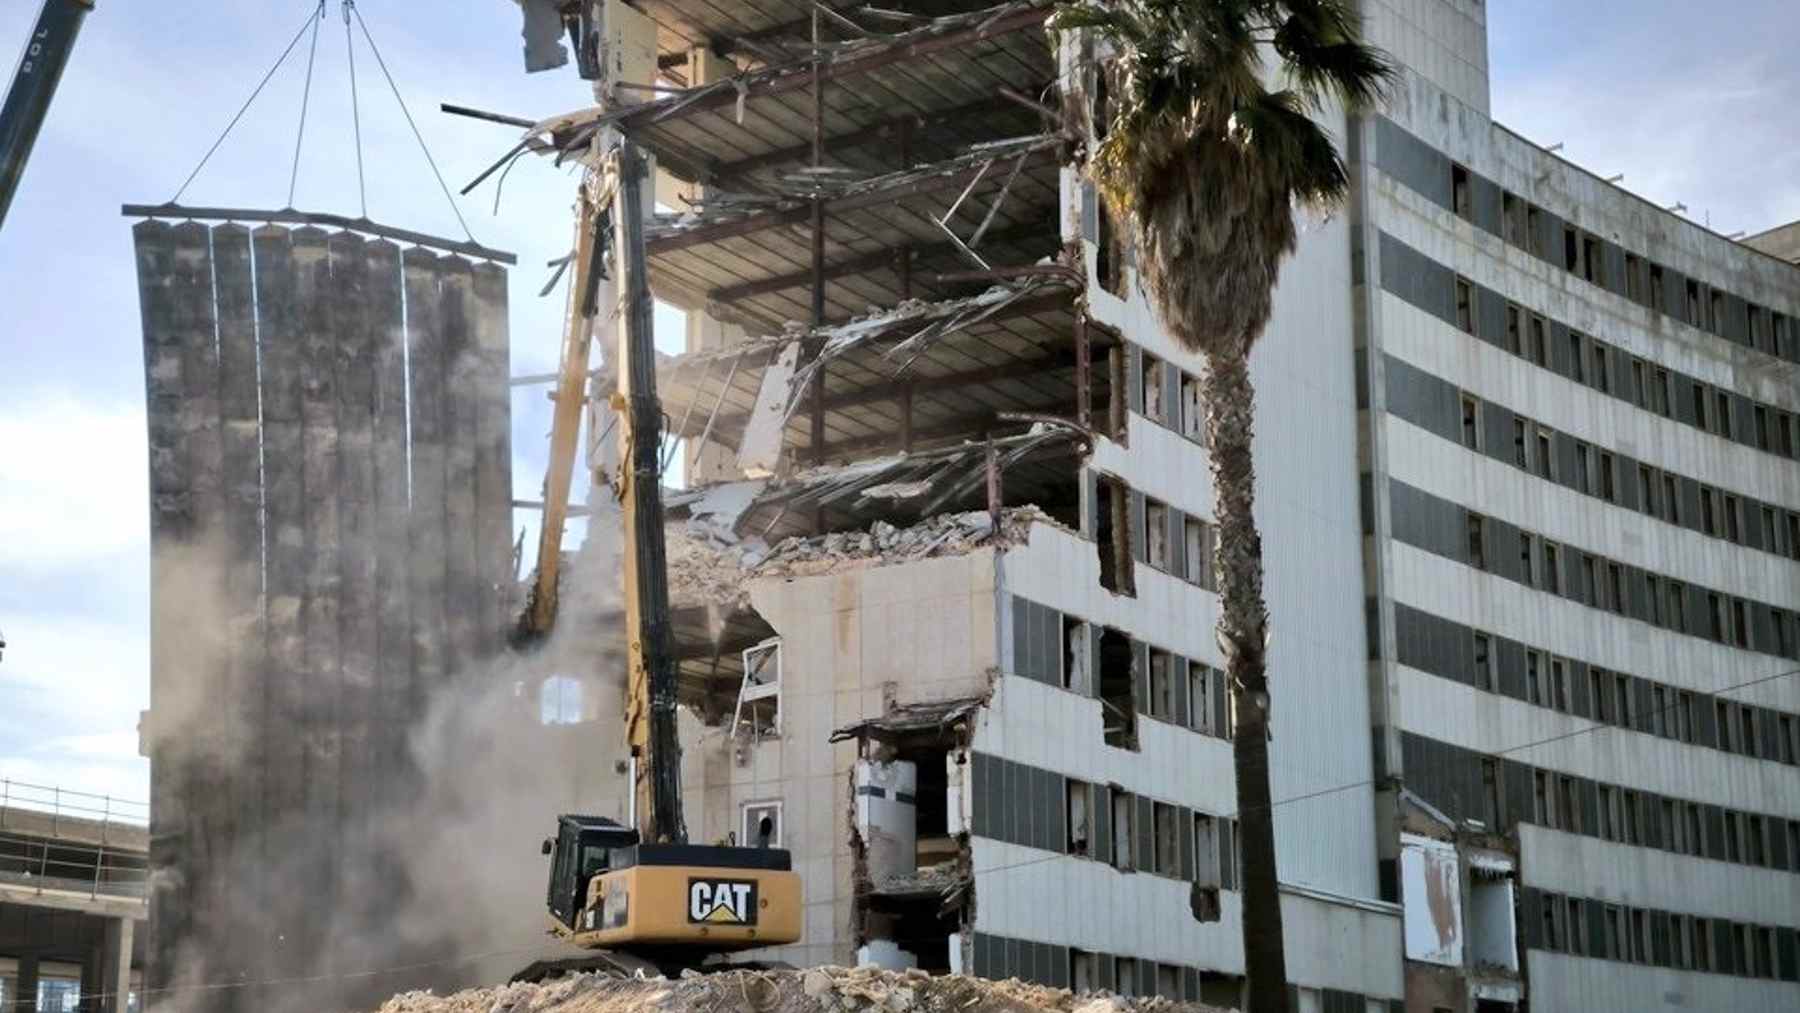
(1699, 110)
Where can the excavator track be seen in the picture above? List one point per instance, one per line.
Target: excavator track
(627, 965)
(598, 962)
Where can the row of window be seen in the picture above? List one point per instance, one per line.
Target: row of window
(1594, 363)
(1502, 792)
(1130, 844)
(1171, 397)
(1671, 712)
(1495, 664)
(1552, 345)
(1585, 927)
(1647, 820)
(1600, 583)
(1129, 677)
(1525, 226)
(1722, 514)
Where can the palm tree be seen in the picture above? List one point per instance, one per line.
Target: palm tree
(1203, 159)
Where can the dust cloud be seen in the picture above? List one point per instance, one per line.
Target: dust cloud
(436, 880)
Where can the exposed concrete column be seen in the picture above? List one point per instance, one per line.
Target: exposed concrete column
(115, 966)
(28, 984)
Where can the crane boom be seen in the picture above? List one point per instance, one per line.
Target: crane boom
(33, 85)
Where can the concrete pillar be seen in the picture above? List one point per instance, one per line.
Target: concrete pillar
(115, 966)
(28, 984)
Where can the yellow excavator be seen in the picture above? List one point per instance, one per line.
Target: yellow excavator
(639, 898)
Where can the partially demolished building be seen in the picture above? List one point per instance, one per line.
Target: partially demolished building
(942, 574)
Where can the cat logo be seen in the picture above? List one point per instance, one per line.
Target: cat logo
(722, 901)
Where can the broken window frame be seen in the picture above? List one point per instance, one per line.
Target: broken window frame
(752, 690)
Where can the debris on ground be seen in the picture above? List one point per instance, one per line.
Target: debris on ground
(703, 572)
(815, 990)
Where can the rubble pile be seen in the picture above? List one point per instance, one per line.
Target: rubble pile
(815, 990)
(704, 572)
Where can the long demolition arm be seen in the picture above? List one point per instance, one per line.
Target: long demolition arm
(652, 675)
(565, 426)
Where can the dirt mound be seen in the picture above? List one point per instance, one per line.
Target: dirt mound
(817, 990)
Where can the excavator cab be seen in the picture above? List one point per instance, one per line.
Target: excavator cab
(670, 906)
(584, 847)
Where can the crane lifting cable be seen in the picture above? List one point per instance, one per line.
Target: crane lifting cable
(309, 30)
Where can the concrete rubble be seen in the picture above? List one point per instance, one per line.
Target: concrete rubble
(815, 990)
(701, 571)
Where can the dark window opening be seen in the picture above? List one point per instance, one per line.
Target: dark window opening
(1571, 250)
(1167, 836)
(1124, 827)
(1646, 490)
(1112, 536)
(1593, 262)
(1716, 319)
(1490, 792)
(1717, 617)
(1723, 414)
(1514, 337)
(1577, 368)
(1699, 393)
(1615, 579)
(1465, 306)
(1608, 491)
(1639, 384)
(1759, 328)
(1546, 460)
(1584, 479)
(1740, 626)
(1540, 345)
(1659, 297)
(1460, 198)
(1693, 302)
(1761, 418)
(1653, 591)
(1484, 664)
(1622, 685)
(1109, 253)
(1559, 685)
(1733, 530)
(1552, 572)
(1602, 381)
(1600, 688)
(1534, 689)
(1671, 501)
(1471, 422)
(1527, 559)
(1512, 218)
(1118, 690)
(1709, 521)
(1521, 448)
(1477, 542)
(1677, 605)
(1660, 401)
(1634, 278)
(1533, 221)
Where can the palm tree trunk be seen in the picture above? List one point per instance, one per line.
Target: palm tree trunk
(1243, 625)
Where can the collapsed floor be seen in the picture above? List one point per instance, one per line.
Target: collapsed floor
(816, 990)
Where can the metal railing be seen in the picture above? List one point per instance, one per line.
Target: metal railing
(55, 839)
(57, 803)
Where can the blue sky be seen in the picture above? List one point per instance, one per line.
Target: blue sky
(1690, 108)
